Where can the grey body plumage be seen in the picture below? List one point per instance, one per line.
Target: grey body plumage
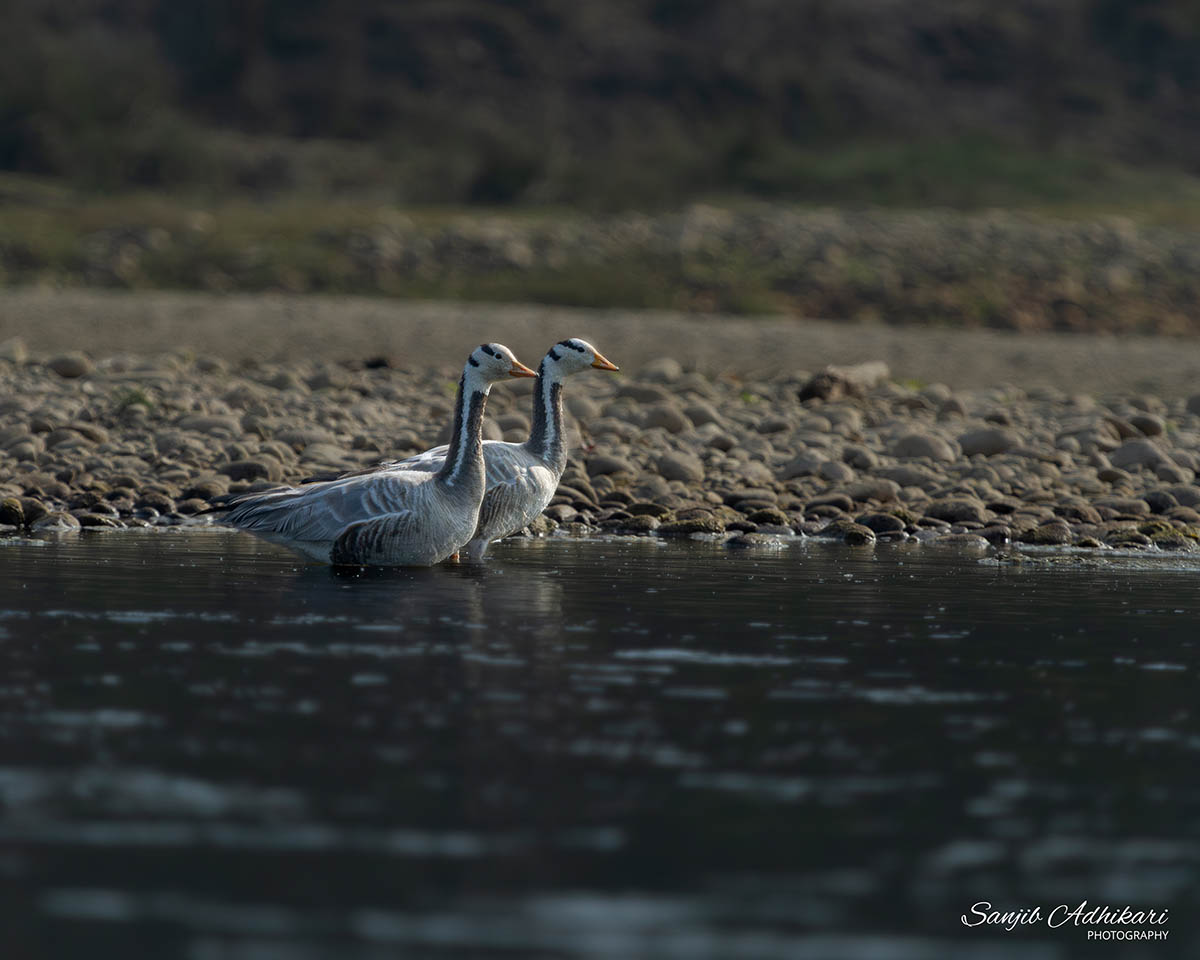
(391, 516)
(521, 478)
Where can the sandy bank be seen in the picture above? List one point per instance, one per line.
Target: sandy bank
(282, 329)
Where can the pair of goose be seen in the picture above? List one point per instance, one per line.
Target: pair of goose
(461, 496)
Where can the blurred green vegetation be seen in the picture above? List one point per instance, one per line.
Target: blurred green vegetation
(615, 104)
(417, 147)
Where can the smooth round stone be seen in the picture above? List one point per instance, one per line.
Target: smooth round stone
(603, 464)
(961, 540)
(804, 464)
(882, 523)
(648, 509)
(1149, 424)
(680, 466)
(860, 458)
(70, 366)
(846, 530)
(98, 521)
(697, 524)
(1127, 539)
(1172, 473)
(996, 536)
(1054, 533)
(835, 472)
(1160, 501)
(262, 469)
(666, 416)
(33, 509)
(957, 509)
(913, 445)
(662, 370)
(773, 424)
(1137, 453)
(640, 524)
(11, 512)
(1128, 506)
(769, 515)
(56, 522)
(988, 441)
(839, 501)
(700, 413)
(750, 506)
(738, 494)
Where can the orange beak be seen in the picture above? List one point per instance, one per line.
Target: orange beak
(520, 370)
(603, 363)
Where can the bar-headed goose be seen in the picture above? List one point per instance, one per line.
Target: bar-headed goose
(522, 477)
(392, 517)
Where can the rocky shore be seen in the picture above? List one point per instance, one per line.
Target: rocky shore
(849, 454)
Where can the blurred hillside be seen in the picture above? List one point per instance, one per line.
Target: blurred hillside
(616, 103)
(1040, 158)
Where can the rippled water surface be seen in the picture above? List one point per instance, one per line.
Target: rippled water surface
(589, 749)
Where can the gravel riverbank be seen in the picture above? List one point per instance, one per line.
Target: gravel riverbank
(131, 439)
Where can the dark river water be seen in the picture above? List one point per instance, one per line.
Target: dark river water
(591, 750)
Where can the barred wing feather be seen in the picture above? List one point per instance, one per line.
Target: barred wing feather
(319, 512)
(380, 540)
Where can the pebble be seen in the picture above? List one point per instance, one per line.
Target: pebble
(667, 416)
(637, 524)
(57, 522)
(962, 540)
(1136, 453)
(834, 472)
(996, 536)
(956, 509)
(882, 522)
(698, 524)
(602, 464)
(701, 413)
(913, 445)
(1056, 532)
(857, 535)
(70, 366)
(804, 464)
(662, 370)
(1124, 505)
(11, 512)
(838, 501)
(1149, 424)
(680, 466)
(988, 441)
(264, 469)
(769, 515)
(1127, 539)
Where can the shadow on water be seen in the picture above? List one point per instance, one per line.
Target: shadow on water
(588, 749)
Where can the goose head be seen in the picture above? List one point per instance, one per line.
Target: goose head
(573, 356)
(490, 362)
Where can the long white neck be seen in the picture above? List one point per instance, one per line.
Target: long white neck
(464, 456)
(546, 439)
